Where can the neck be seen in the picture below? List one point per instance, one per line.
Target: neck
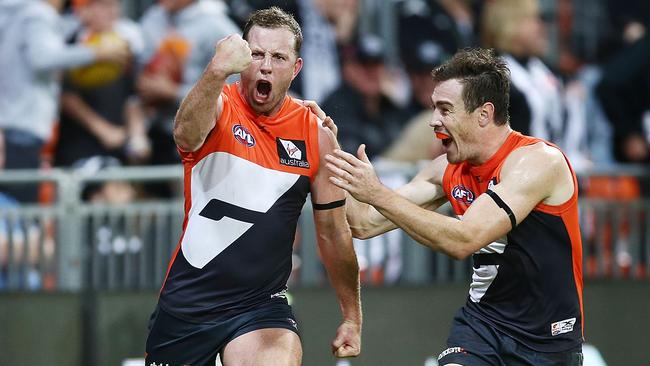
(492, 144)
(271, 112)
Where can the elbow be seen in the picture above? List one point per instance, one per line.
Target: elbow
(462, 250)
(361, 233)
(358, 233)
(183, 141)
(459, 254)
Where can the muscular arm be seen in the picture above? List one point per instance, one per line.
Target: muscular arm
(202, 106)
(424, 190)
(523, 185)
(335, 246)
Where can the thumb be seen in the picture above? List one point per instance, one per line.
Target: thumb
(337, 343)
(361, 153)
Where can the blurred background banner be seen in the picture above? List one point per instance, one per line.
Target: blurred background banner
(91, 183)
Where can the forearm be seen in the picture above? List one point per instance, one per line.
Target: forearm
(81, 112)
(198, 111)
(365, 221)
(46, 50)
(342, 268)
(135, 117)
(438, 232)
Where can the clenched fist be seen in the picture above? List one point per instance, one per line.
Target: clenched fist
(232, 55)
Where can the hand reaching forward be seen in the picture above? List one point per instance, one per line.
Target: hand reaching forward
(232, 55)
(348, 340)
(355, 175)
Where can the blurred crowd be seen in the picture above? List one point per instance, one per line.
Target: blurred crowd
(88, 84)
(83, 79)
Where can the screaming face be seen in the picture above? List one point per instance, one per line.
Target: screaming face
(265, 83)
(450, 120)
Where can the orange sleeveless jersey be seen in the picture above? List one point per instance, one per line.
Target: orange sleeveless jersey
(528, 284)
(244, 191)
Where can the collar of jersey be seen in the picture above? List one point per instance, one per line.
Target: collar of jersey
(493, 162)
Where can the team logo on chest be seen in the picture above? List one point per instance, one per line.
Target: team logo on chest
(292, 153)
(463, 194)
(243, 136)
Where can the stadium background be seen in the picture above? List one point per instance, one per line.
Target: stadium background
(94, 302)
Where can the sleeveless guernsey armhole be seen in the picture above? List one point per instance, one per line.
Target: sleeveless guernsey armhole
(573, 200)
(219, 124)
(315, 143)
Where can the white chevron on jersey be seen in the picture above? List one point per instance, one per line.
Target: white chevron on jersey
(233, 180)
(483, 276)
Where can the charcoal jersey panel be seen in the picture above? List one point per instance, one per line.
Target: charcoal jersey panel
(529, 283)
(244, 191)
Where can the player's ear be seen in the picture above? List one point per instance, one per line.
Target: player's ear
(486, 114)
(297, 67)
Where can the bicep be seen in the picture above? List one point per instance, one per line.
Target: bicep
(522, 187)
(323, 191)
(488, 221)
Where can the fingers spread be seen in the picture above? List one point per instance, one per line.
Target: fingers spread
(361, 153)
(340, 163)
(339, 172)
(351, 159)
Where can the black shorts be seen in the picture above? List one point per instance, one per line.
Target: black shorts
(473, 342)
(176, 342)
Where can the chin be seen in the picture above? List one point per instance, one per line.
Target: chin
(453, 159)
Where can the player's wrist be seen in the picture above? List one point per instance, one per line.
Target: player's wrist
(218, 73)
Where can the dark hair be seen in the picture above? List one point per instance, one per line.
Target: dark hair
(485, 78)
(275, 17)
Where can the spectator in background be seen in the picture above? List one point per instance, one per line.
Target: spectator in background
(19, 245)
(33, 53)
(99, 114)
(366, 113)
(359, 106)
(112, 244)
(415, 141)
(327, 26)
(624, 92)
(515, 29)
(180, 36)
(450, 23)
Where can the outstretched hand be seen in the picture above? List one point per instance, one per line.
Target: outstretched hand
(348, 340)
(355, 174)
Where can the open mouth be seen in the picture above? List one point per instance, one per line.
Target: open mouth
(446, 139)
(263, 89)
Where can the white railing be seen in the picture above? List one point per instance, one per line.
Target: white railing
(70, 244)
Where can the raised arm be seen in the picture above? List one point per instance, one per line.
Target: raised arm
(335, 246)
(202, 106)
(523, 185)
(424, 190)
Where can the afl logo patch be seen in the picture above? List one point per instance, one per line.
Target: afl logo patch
(460, 193)
(243, 135)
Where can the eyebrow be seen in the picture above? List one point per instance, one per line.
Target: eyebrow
(442, 103)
